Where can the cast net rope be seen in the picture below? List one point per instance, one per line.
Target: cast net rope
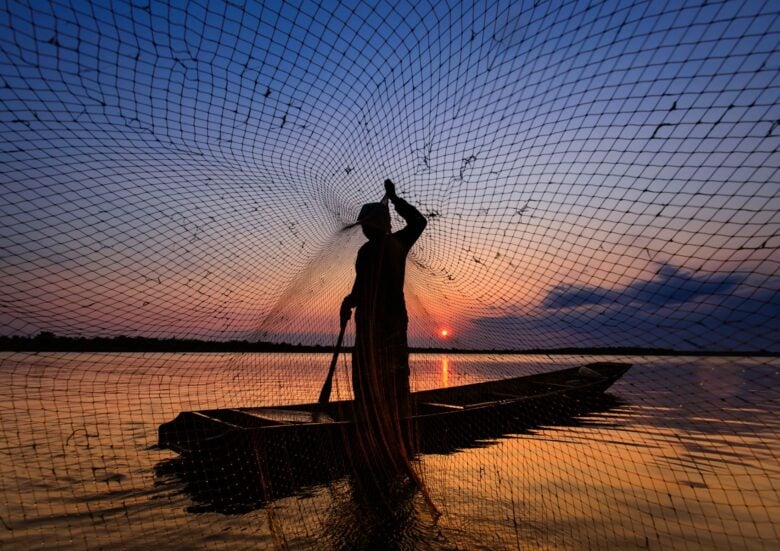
(594, 175)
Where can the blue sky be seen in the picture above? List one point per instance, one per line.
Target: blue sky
(185, 168)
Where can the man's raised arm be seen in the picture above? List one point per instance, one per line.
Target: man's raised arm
(415, 221)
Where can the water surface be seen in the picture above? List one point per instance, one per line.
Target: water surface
(686, 456)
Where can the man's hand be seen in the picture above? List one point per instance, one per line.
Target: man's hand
(346, 310)
(390, 189)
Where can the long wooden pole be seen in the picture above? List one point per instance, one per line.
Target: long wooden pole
(325, 392)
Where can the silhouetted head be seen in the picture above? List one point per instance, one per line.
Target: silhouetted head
(374, 218)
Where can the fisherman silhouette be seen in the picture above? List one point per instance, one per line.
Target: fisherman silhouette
(380, 358)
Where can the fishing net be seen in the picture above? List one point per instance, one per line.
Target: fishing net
(600, 183)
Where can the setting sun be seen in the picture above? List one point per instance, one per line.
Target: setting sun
(444, 333)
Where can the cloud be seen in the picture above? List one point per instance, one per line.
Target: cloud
(670, 286)
(674, 309)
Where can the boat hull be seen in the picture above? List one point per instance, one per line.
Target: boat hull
(233, 460)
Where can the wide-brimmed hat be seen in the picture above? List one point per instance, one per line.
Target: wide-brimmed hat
(376, 215)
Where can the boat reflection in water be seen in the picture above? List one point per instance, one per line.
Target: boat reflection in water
(233, 461)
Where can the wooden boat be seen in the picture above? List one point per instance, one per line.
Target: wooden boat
(193, 431)
(294, 446)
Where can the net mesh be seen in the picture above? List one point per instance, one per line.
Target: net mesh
(599, 181)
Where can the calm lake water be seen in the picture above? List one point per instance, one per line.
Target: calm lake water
(686, 457)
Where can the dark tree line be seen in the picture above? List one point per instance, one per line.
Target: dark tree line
(47, 341)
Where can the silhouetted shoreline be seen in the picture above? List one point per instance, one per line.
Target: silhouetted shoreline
(49, 342)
